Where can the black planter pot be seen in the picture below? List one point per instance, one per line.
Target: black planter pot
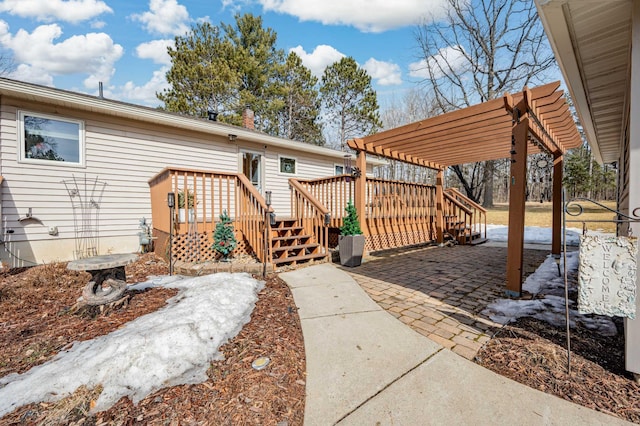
(351, 248)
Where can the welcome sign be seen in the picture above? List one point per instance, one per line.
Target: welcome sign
(607, 276)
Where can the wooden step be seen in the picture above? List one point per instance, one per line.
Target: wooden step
(297, 259)
(477, 241)
(291, 237)
(309, 246)
(288, 228)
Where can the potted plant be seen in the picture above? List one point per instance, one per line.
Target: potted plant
(351, 241)
(224, 241)
(186, 200)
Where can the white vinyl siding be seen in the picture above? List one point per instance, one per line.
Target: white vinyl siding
(125, 154)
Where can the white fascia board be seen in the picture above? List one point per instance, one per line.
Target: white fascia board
(554, 20)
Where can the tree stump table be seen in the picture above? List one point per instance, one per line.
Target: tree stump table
(108, 277)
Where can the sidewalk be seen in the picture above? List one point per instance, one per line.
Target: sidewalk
(366, 367)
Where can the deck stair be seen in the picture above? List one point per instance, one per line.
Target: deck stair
(291, 245)
(465, 220)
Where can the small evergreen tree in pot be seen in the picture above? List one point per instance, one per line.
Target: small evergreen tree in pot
(351, 242)
(224, 241)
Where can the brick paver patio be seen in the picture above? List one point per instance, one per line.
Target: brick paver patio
(440, 292)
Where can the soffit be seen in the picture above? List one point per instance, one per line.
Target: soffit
(592, 43)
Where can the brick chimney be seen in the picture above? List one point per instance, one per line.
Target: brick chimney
(248, 119)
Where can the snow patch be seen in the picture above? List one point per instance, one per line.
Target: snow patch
(171, 346)
(547, 281)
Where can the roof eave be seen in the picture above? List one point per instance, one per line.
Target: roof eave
(28, 91)
(552, 15)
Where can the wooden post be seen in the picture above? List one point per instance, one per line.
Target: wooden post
(361, 191)
(517, 197)
(440, 206)
(556, 227)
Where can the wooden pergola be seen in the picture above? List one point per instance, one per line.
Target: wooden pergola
(533, 121)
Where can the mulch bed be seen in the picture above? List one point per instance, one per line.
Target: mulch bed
(533, 353)
(37, 322)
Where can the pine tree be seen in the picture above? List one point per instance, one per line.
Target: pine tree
(201, 77)
(224, 242)
(350, 224)
(299, 119)
(349, 99)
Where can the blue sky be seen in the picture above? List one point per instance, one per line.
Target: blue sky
(74, 44)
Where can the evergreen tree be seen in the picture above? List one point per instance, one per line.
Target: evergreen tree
(224, 241)
(223, 69)
(349, 100)
(259, 66)
(299, 119)
(350, 224)
(202, 78)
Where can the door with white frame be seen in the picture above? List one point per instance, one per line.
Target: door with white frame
(252, 168)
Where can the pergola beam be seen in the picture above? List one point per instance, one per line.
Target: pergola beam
(534, 120)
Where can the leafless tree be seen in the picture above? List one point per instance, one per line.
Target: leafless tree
(415, 105)
(7, 66)
(482, 49)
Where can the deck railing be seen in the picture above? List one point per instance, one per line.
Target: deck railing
(206, 195)
(396, 213)
(462, 211)
(400, 213)
(311, 214)
(333, 193)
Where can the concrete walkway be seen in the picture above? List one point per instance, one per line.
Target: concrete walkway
(364, 367)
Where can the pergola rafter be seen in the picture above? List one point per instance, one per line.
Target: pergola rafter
(534, 120)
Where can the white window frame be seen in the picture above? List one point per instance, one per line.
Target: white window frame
(338, 165)
(241, 152)
(295, 165)
(22, 158)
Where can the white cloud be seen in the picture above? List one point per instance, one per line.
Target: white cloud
(321, 57)
(93, 53)
(164, 17)
(385, 73)
(31, 74)
(156, 50)
(97, 25)
(145, 94)
(51, 10)
(450, 58)
(365, 15)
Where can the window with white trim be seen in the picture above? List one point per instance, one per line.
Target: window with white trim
(288, 165)
(339, 169)
(50, 139)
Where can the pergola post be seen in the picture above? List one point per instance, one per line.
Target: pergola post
(556, 223)
(517, 198)
(361, 190)
(440, 206)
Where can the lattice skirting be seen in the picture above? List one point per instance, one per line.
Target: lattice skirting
(195, 248)
(397, 239)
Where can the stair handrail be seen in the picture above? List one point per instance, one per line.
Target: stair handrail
(457, 203)
(474, 219)
(318, 225)
(260, 222)
(466, 199)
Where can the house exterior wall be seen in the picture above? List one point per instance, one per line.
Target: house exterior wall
(630, 156)
(125, 154)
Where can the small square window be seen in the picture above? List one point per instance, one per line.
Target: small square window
(339, 170)
(288, 165)
(51, 139)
